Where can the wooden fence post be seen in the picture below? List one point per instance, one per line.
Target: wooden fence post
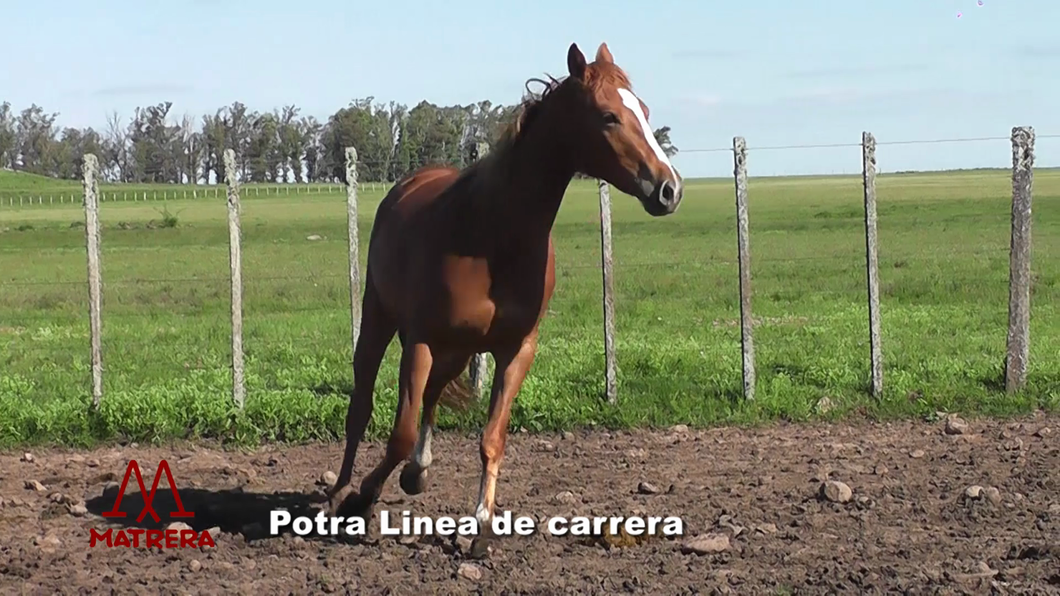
(1019, 305)
(235, 262)
(607, 263)
(478, 367)
(868, 172)
(355, 260)
(90, 170)
(739, 149)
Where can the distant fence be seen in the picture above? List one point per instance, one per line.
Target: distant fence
(28, 199)
(1018, 335)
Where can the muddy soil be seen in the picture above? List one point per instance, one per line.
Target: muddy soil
(932, 508)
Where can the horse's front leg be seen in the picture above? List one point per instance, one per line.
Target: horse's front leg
(511, 368)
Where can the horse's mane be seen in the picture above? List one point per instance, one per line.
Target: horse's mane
(527, 111)
(495, 164)
(530, 106)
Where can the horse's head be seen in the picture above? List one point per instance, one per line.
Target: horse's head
(610, 135)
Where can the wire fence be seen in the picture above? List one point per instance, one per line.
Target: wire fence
(171, 192)
(120, 192)
(679, 314)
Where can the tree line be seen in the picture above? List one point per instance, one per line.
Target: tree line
(277, 146)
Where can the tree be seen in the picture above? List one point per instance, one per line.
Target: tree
(292, 144)
(152, 140)
(311, 130)
(662, 137)
(189, 151)
(280, 145)
(263, 151)
(35, 140)
(368, 128)
(8, 137)
(214, 138)
(115, 157)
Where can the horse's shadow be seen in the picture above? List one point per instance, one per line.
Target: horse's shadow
(234, 511)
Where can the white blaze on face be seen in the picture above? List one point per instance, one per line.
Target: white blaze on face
(633, 104)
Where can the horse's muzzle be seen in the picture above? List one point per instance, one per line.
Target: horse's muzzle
(661, 198)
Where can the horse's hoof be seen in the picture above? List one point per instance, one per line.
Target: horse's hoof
(336, 496)
(338, 485)
(413, 479)
(352, 504)
(480, 547)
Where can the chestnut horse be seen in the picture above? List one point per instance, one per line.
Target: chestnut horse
(461, 262)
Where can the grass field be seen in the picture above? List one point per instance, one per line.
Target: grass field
(944, 293)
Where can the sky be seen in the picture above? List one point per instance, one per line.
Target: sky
(778, 73)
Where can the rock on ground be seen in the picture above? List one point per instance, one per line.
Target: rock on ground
(836, 491)
(707, 544)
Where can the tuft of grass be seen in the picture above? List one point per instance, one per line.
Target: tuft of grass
(166, 336)
(169, 220)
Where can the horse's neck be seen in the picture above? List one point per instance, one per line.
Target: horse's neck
(526, 199)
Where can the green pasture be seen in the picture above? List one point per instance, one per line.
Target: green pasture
(166, 335)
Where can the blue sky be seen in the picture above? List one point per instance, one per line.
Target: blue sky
(777, 73)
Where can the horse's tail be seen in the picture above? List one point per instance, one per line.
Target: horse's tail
(458, 395)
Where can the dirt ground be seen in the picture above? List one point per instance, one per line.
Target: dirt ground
(751, 501)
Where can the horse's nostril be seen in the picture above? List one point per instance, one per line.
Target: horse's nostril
(667, 192)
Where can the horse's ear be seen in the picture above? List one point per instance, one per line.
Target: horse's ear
(603, 54)
(576, 62)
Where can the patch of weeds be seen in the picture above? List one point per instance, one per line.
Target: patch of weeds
(169, 220)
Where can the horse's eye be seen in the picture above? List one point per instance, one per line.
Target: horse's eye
(610, 118)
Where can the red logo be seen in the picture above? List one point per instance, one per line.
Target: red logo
(173, 538)
(149, 497)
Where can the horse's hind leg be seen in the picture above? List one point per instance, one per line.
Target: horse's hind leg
(377, 330)
(412, 381)
(445, 370)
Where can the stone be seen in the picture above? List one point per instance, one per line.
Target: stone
(35, 485)
(706, 544)
(767, 528)
(647, 488)
(836, 492)
(469, 571)
(955, 426)
(565, 497)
